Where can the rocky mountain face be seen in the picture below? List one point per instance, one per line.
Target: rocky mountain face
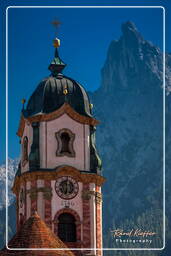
(12, 168)
(129, 104)
(132, 59)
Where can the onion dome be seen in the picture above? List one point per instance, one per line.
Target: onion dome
(53, 92)
(35, 234)
(57, 89)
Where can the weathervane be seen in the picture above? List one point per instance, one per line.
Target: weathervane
(57, 65)
(56, 23)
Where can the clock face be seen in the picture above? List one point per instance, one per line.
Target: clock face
(66, 187)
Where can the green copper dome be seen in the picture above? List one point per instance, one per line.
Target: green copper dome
(53, 92)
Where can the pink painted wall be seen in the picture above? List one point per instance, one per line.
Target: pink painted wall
(28, 200)
(48, 144)
(93, 218)
(59, 203)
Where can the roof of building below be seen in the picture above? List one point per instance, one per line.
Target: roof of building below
(35, 234)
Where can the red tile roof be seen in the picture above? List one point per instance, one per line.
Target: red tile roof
(35, 234)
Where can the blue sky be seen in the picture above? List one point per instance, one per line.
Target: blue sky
(85, 36)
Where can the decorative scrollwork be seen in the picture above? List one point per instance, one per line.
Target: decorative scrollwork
(47, 192)
(86, 195)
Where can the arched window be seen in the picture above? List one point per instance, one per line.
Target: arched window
(65, 139)
(22, 196)
(67, 227)
(25, 151)
(21, 220)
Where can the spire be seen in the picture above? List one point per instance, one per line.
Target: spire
(57, 65)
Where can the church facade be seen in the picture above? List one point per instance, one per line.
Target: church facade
(59, 174)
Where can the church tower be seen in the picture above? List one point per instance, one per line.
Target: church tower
(59, 173)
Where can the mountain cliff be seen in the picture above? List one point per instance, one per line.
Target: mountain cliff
(129, 104)
(12, 168)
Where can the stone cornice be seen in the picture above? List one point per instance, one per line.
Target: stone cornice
(58, 172)
(65, 108)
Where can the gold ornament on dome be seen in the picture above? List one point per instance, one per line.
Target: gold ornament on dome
(65, 91)
(91, 106)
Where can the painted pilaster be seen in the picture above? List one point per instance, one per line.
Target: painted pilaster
(40, 199)
(28, 200)
(86, 217)
(17, 210)
(98, 220)
(93, 217)
(25, 201)
(48, 204)
(42, 144)
(86, 138)
(33, 196)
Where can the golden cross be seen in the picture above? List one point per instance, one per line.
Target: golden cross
(56, 23)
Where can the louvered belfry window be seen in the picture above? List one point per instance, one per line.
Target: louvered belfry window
(67, 227)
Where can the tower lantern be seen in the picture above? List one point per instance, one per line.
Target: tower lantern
(59, 175)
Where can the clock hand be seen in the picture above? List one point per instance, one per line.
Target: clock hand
(68, 186)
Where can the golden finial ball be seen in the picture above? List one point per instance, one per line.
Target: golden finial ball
(23, 101)
(65, 91)
(56, 42)
(91, 106)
